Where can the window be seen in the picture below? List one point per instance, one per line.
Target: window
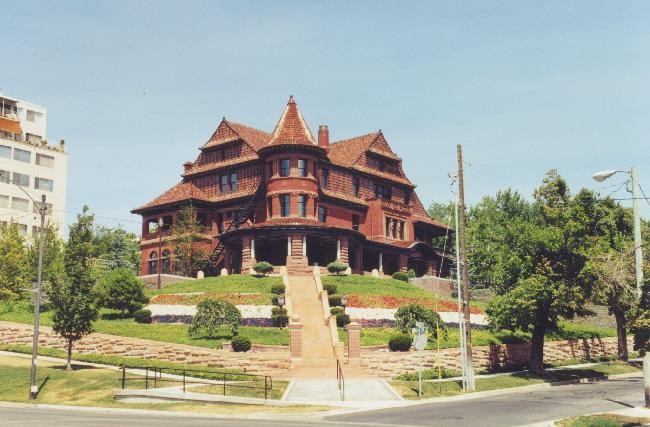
(21, 179)
(322, 214)
(165, 262)
(382, 191)
(153, 263)
(30, 116)
(401, 230)
(387, 232)
(285, 167)
(285, 205)
(22, 155)
(48, 208)
(302, 167)
(302, 206)
(325, 178)
(5, 151)
(5, 176)
(43, 160)
(233, 182)
(43, 184)
(355, 222)
(19, 204)
(394, 229)
(224, 183)
(4, 201)
(356, 185)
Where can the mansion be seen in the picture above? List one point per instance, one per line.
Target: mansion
(293, 200)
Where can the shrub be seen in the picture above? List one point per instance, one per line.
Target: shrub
(274, 300)
(400, 275)
(337, 267)
(279, 320)
(400, 342)
(335, 300)
(411, 273)
(122, 290)
(263, 268)
(142, 316)
(330, 288)
(336, 310)
(240, 343)
(406, 316)
(278, 289)
(342, 319)
(275, 311)
(213, 313)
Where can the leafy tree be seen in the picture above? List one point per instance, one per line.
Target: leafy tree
(122, 290)
(116, 248)
(211, 314)
(73, 297)
(53, 248)
(546, 283)
(14, 263)
(444, 212)
(187, 232)
(640, 324)
(406, 316)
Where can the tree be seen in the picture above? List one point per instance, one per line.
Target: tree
(187, 232)
(547, 283)
(406, 316)
(14, 263)
(211, 314)
(73, 297)
(122, 290)
(116, 248)
(444, 212)
(52, 256)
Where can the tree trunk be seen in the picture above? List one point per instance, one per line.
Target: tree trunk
(621, 333)
(68, 366)
(536, 360)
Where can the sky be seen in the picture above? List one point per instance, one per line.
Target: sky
(135, 87)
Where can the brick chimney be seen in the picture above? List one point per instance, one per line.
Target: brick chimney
(323, 136)
(187, 166)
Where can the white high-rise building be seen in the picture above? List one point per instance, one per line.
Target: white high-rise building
(27, 160)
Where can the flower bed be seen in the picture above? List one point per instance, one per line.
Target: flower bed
(387, 301)
(197, 297)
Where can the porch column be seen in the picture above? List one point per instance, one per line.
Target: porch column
(246, 262)
(304, 246)
(253, 259)
(289, 246)
(343, 245)
(381, 263)
(338, 249)
(359, 257)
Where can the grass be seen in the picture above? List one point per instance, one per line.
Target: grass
(409, 388)
(246, 389)
(88, 386)
(380, 336)
(110, 323)
(603, 420)
(238, 283)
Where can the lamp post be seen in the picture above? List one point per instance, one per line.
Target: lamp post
(344, 302)
(281, 300)
(33, 388)
(638, 257)
(160, 226)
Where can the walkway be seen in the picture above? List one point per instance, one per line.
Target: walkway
(327, 391)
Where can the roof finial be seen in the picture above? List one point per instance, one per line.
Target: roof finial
(291, 101)
(223, 118)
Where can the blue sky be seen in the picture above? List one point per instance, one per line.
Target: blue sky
(135, 87)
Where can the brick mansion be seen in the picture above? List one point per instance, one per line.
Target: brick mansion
(297, 201)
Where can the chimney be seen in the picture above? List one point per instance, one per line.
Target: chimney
(62, 145)
(323, 136)
(187, 166)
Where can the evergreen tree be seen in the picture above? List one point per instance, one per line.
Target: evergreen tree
(187, 232)
(73, 297)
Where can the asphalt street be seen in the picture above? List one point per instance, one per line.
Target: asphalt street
(511, 409)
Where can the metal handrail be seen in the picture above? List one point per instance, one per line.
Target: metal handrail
(339, 379)
(153, 375)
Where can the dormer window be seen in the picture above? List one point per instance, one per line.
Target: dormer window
(382, 191)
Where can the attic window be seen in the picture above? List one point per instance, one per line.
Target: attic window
(382, 191)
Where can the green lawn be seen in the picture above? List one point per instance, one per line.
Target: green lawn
(409, 388)
(365, 285)
(603, 420)
(88, 386)
(380, 336)
(246, 389)
(238, 283)
(110, 323)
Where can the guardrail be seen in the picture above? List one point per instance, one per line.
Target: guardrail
(155, 377)
(339, 379)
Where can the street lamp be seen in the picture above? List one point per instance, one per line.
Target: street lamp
(638, 257)
(638, 251)
(281, 300)
(344, 302)
(33, 388)
(160, 226)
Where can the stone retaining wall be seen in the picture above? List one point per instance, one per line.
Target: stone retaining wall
(382, 363)
(265, 362)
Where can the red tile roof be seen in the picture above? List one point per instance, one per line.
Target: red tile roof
(179, 192)
(228, 131)
(291, 128)
(347, 151)
(220, 165)
(421, 214)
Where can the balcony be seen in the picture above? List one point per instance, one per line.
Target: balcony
(8, 113)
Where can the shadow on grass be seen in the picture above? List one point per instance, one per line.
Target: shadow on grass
(75, 367)
(41, 386)
(114, 316)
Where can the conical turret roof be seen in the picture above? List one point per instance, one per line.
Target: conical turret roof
(291, 128)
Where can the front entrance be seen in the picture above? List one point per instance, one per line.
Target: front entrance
(321, 250)
(272, 250)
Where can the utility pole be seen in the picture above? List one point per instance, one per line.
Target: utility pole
(33, 388)
(160, 260)
(464, 272)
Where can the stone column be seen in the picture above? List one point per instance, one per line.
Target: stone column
(304, 246)
(246, 262)
(343, 250)
(354, 342)
(381, 263)
(295, 338)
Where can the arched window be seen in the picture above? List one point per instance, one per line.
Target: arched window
(166, 262)
(153, 263)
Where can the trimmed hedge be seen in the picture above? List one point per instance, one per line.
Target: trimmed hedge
(342, 319)
(400, 275)
(142, 316)
(263, 268)
(337, 267)
(400, 342)
(336, 310)
(240, 344)
(279, 320)
(278, 289)
(330, 288)
(335, 300)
